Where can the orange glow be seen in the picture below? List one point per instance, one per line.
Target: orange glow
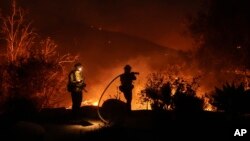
(90, 103)
(95, 88)
(209, 108)
(95, 103)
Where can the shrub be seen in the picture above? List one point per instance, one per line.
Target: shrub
(159, 91)
(231, 98)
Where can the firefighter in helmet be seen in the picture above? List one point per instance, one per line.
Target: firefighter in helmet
(76, 85)
(127, 86)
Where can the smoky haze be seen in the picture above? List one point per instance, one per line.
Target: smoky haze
(160, 21)
(110, 34)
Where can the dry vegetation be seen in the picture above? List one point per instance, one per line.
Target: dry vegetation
(32, 70)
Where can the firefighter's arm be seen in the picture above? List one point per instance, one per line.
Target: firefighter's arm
(81, 84)
(134, 73)
(72, 80)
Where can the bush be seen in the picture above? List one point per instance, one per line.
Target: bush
(158, 91)
(184, 102)
(231, 98)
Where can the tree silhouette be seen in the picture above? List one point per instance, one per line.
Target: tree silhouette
(221, 29)
(166, 92)
(185, 98)
(32, 70)
(187, 102)
(231, 98)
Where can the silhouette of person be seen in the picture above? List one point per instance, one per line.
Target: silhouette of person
(126, 86)
(76, 85)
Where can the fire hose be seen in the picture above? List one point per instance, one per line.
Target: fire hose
(98, 108)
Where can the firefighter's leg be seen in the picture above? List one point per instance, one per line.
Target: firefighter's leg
(128, 96)
(78, 101)
(74, 101)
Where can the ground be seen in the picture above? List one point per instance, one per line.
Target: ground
(59, 125)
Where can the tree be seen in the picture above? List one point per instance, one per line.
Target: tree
(34, 74)
(18, 33)
(221, 30)
(166, 92)
(185, 98)
(152, 91)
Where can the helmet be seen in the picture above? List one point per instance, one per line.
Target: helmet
(127, 67)
(78, 65)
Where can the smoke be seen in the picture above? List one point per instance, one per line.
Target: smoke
(223, 33)
(109, 34)
(106, 53)
(158, 21)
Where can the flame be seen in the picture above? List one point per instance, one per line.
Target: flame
(209, 108)
(96, 88)
(68, 107)
(95, 103)
(90, 103)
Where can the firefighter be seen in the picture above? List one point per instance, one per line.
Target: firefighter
(76, 85)
(127, 86)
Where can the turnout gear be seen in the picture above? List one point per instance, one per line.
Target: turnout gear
(127, 86)
(76, 85)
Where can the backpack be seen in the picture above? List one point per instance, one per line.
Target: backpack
(70, 86)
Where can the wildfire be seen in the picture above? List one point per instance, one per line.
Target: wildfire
(90, 103)
(95, 103)
(209, 108)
